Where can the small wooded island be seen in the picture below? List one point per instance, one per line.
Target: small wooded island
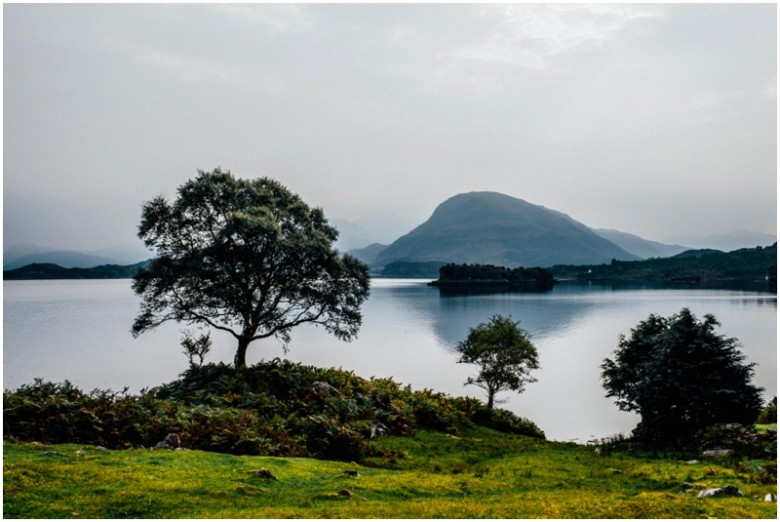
(469, 278)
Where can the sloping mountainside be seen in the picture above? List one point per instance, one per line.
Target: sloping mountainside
(693, 267)
(368, 254)
(640, 247)
(493, 228)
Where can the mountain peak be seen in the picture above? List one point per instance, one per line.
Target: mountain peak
(494, 228)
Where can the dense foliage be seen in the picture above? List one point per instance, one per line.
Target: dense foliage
(274, 408)
(681, 377)
(247, 257)
(503, 353)
(459, 276)
(769, 414)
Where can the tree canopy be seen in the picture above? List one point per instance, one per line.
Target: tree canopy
(681, 377)
(504, 354)
(247, 257)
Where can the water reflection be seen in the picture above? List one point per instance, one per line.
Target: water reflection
(79, 330)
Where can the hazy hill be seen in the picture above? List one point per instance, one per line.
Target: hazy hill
(639, 246)
(368, 254)
(25, 253)
(728, 241)
(52, 271)
(493, 228)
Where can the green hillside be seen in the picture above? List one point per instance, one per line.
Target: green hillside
(492, 228)
(693, 267)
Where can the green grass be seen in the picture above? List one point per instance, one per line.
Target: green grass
(479, 474)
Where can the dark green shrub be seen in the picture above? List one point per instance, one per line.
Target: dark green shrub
(326, 439)
(272, 408)
(744, 441)
(50, 412)
(506, 421)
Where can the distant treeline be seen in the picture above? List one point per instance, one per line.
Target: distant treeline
(692, 267)
(477, 277)
(52, 271)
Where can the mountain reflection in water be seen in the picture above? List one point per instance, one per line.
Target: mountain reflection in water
(79, 330)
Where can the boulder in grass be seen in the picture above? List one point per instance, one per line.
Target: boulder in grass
(728, 491)
(717, 453)
(263, 473)
(171, 441)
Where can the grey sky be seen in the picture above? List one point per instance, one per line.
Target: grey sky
(659, 120)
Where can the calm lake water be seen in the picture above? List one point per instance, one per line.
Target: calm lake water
(80, 331)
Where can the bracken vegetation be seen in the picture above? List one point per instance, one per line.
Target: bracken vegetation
(383, 451)
(275, 408)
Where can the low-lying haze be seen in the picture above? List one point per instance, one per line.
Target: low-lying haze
(659, 120)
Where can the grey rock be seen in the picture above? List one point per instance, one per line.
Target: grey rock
(323, 388)
(171, 441)
(728, 491)
(717, 453)
(378, 429)
(770, 498)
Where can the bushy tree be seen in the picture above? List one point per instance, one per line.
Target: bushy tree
(504, 355)
(247, 257)
(196, 348)
(681, 377)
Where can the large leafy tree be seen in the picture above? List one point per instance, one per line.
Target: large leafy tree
(504, 355)
(247, 257)
(680, 376)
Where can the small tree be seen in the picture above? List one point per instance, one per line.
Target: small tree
(196, 347)
(504, 355)
(246, 257)
(681, 377)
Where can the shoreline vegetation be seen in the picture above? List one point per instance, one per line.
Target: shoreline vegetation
(283, 440)
(752, 267)
(747, 267)
(476, 278)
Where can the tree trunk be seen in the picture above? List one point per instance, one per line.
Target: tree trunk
(240, 359)
(491, 395)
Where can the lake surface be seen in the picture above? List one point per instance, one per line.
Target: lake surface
(80, 331)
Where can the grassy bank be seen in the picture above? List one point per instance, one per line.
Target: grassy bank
(479, 473)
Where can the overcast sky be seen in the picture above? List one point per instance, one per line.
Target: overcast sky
(659, 120)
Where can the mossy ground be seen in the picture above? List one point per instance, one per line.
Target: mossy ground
(478, 474)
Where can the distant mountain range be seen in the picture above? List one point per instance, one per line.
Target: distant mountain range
(52, 271)
(640, 247)
(493, 228)
(729, 241)
(25, 254)
(476, 228)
